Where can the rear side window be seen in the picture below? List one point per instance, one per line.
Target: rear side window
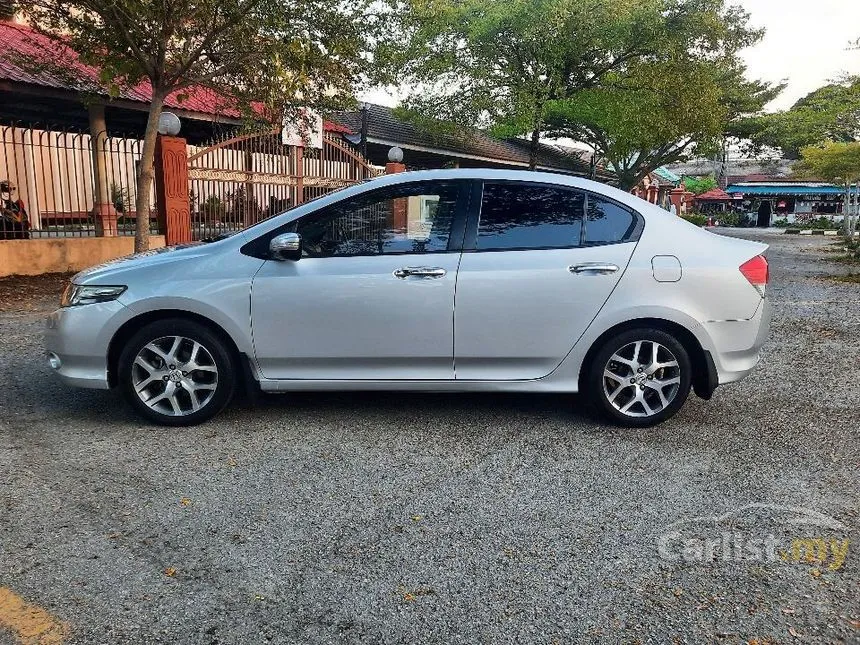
(528, 216)
(607, 222)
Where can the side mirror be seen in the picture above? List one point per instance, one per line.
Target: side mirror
(287, 246)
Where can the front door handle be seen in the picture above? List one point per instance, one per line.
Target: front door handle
(593, 268)
(419, 272)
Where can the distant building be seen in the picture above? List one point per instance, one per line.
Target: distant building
(794, 201)
(378, 129)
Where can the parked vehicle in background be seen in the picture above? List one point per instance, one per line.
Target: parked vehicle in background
(475, 280)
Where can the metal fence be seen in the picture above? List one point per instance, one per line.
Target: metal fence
(244, 178)
(47, 183)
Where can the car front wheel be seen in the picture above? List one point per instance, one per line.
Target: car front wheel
(640, 377)
(176, 372)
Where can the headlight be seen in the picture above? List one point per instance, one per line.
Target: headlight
(76, 294)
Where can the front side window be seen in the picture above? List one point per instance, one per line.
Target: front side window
(410, 218)
(529, 216)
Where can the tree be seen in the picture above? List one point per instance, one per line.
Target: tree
(499, 63)
(699, 185)
(267, 56)
(533, 67)
(675, 102)
(830, 113)
(837, 162)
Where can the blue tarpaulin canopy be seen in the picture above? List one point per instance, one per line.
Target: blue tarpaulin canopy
(787, 190)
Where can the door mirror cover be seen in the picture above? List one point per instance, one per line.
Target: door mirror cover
(287, 246)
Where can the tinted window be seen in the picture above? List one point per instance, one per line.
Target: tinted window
(607, 221)
(413, 218)
(523, 216)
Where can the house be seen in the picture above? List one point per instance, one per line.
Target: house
(377, 129)
(67, 149)
(793, 201)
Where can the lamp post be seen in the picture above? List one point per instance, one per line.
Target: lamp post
(169, 124)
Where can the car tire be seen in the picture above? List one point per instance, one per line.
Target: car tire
(177, 372)
(630, 386)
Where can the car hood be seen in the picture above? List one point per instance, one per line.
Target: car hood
(109, 272)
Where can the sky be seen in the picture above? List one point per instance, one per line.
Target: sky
(805, 44)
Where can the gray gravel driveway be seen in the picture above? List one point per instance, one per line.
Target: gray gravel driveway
(392, 518)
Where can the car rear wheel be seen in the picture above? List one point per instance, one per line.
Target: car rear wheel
(640, 377)
(176, 372)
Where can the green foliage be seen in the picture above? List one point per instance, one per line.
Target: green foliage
(836, 162)
(695, 218)
(509, 64)
(820, 223)
(781, 223)
(830, 113)
(728, 218)
(273, 57)
(699, 185)
(674, 102)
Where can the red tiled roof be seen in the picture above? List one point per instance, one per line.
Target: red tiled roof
(64, 70)
(714, 195)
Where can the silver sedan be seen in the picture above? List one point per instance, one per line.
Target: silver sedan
(466, 280)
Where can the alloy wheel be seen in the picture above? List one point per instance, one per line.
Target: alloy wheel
(641, 379)
(174, 375)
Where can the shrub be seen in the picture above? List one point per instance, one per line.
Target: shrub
(729, 218)
(781, 223)
(695, 218)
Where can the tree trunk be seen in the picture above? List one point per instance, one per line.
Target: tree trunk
(627, 179)
(533, 148)
(144, 178)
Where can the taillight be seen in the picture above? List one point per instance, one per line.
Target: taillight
(756, 271)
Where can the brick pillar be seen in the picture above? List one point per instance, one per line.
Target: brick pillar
(676, 198)
(399, 209)
(652, 193)
(171, 189)
(689, 199)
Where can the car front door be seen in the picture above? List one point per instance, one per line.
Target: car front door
(539, 262)
(372, 297)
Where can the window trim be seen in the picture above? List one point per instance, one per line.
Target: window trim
(259, 246)
(470, 243)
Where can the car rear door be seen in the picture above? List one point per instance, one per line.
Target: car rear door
(539, 262)
(372, 298)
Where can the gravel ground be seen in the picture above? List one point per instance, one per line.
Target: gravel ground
(391, 518)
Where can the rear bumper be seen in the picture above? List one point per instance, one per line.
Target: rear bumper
(79, 337)
(737, 343)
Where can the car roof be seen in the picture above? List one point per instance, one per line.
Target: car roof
(512, 175)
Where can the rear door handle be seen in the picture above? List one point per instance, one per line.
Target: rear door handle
(593, 268)
(419, 272)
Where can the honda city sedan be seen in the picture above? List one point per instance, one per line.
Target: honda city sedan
(450, 280)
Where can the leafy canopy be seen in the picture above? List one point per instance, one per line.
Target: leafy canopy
(574, 67)
(699, 185)
(675, 102)
(830, 113)
(265, 56)
(837, 162)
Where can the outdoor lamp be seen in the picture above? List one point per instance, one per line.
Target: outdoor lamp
(169, 124)
(395, 155)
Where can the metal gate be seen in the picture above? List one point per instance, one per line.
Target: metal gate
(238, 181)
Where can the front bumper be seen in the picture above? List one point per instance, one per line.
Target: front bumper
(737, 343)
(79, 337)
